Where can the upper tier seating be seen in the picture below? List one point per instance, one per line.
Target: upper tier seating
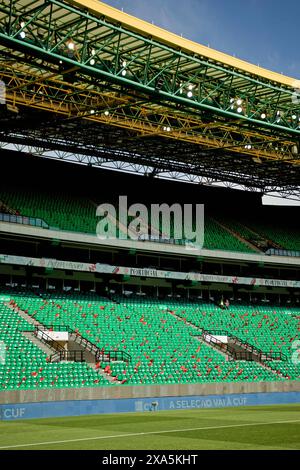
(65, 212)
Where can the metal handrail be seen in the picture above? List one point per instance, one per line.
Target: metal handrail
(55, 328)
(100, 355)
(89, 346)
(46, 339)
(254, 354)
(68, 356)
(23, 220)
(274, 355)
(110, 356)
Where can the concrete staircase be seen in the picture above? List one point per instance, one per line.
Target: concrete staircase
(24, 315)
(89, 357)
(271, 243)
(31, 336)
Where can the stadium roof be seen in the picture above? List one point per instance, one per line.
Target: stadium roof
(82, 76)
(173, 40)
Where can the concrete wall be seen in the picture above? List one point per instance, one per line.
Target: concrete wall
(150, 247)
(119, 392)
(65, 408)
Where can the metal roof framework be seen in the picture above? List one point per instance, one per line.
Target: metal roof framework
(80, 71)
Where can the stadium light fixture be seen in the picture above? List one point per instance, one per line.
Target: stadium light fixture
(295, 150)
(240, 110)
(92, 61)
(92, 111)
(239, 102)
(22, 25)
(263, 115)
(159, 83)
(294, 117)
(278, 116)
(123, 65)
(71, 45)
(190, 89)
(106, 113)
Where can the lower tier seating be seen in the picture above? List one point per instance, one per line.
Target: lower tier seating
(163, 347)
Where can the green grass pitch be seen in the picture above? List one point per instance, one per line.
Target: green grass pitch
(263, 427)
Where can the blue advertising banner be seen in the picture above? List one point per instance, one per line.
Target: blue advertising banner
(90, 407)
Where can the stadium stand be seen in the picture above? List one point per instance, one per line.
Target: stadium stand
(57, 209)
(26, 365)
(161, 337)
(140, 340)
(149, 314)
(66, 212)
(264, 231)
(286, 237)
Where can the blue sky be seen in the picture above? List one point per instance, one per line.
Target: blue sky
(264, 32)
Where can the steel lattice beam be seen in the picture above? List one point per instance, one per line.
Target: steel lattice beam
(106, 50)
(50, 93)
(105, 160)
(87, 65)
